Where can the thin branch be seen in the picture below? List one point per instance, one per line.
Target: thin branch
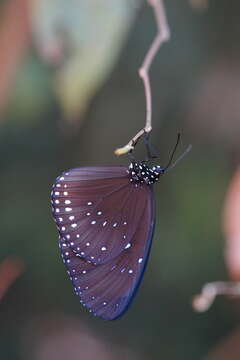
(163, 35)
(203, 301)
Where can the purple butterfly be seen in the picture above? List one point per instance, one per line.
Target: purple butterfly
(105, 217)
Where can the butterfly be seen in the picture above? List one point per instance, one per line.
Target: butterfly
(105, 218)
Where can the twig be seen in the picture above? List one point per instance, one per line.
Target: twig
(163, 35)
(203, 301)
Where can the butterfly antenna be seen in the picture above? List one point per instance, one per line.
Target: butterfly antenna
(173, 153)
(170, 166)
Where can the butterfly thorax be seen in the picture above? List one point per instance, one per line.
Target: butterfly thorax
(141, 173)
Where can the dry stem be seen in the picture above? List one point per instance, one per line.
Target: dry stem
(203, 301)
(163, 35)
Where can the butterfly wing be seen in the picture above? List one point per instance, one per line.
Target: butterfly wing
(107, 289)
(97, 210)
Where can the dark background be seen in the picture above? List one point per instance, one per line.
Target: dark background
(196, 90)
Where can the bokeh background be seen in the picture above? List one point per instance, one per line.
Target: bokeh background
(70, 95)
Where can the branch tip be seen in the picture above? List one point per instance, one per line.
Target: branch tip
(163, 35)
(123, 150)
(205, 299)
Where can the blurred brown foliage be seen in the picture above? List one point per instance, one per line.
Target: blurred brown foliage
(14, 42)
(199, 4)
(10, 269)
(228, 348)
(60, 337)
(231, 226)
(215, 104)
(75, 39)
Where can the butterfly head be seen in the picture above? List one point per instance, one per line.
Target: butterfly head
(140, 172)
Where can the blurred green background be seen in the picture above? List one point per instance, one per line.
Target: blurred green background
(70, 95)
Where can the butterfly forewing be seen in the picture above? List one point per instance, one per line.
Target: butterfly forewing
(107, 289)
(97, 217)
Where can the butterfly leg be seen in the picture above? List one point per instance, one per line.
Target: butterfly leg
(131, 156)
(151, 152)
(130, 153)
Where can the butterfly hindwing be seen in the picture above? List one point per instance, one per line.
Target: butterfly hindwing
(107, 289)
